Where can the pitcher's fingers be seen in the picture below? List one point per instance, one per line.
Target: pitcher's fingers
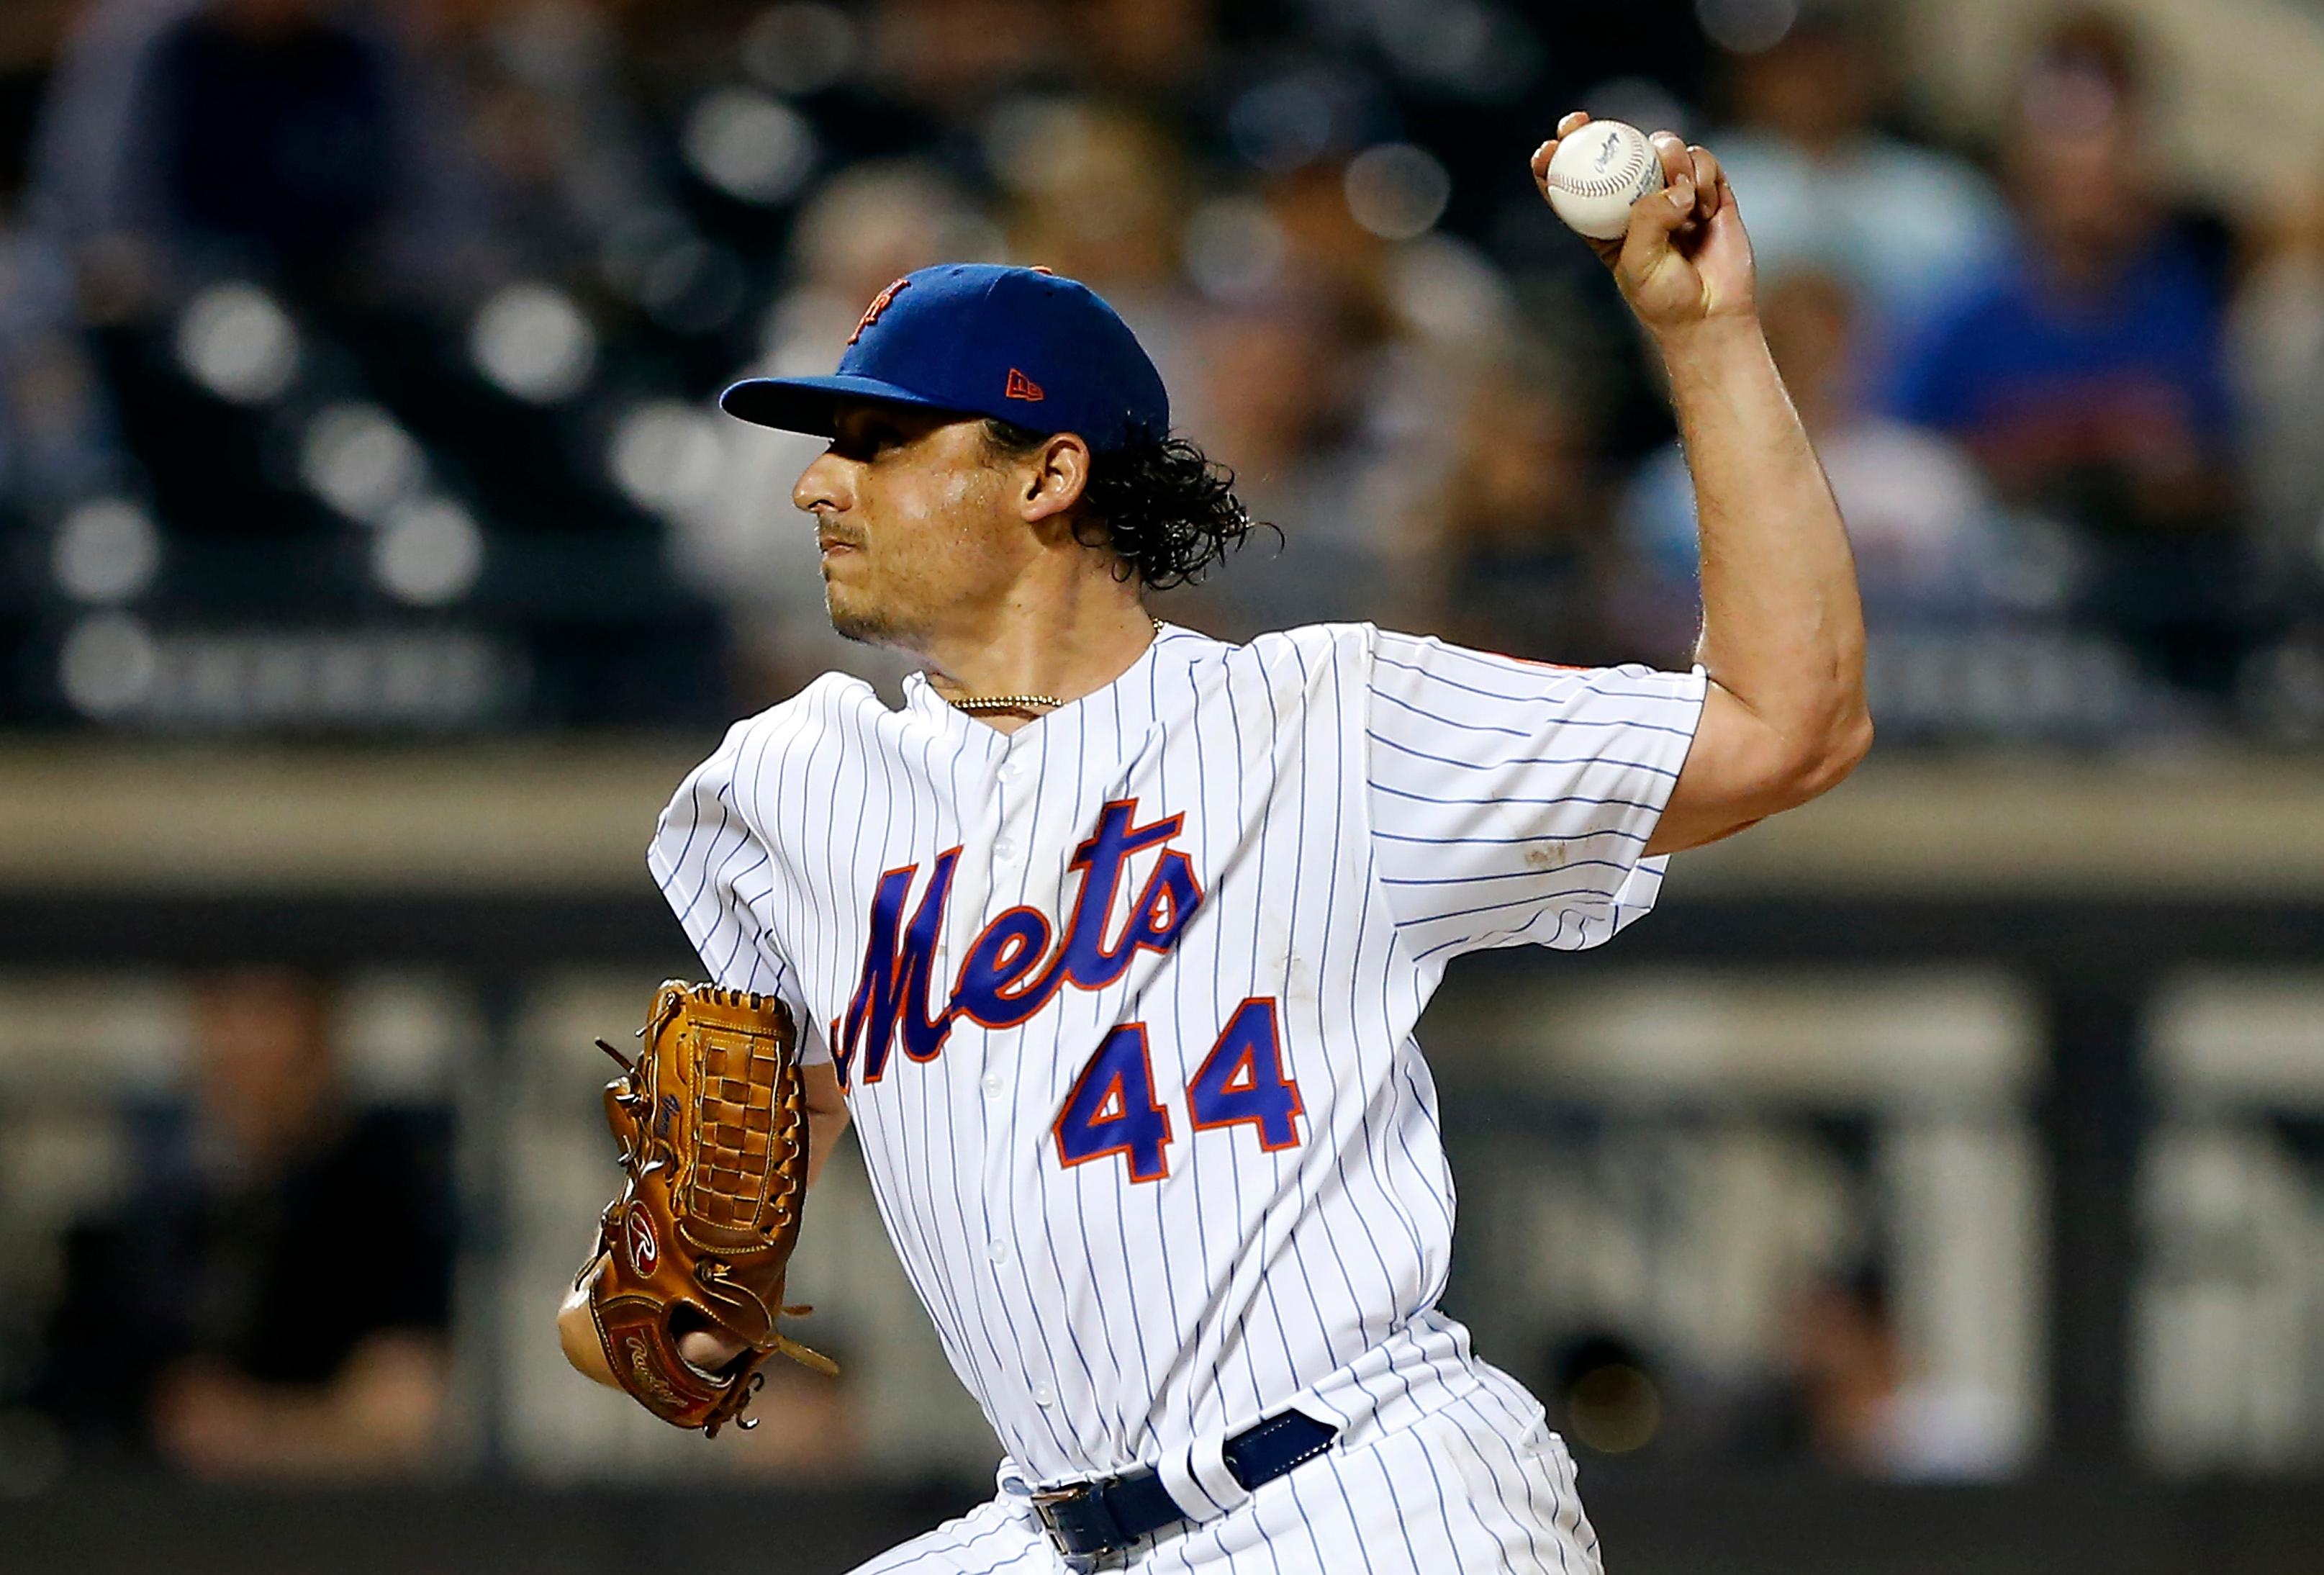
(1567, 124)
(707, 1351)
(1672, 151)
(1653, 218)
(1709, 181)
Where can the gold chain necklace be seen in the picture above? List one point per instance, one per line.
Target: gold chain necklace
(988, 704)
(985, 704)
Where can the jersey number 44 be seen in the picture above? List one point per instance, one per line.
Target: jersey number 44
(1115, 1108)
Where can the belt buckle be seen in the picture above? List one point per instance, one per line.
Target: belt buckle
(1044, 1498)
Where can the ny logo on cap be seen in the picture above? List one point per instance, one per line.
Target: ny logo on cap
(1021, 387)
(879, 303)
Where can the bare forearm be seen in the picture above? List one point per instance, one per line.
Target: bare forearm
(1782, 635)
(1782, 631)
(379, 1414)
(826, 1118)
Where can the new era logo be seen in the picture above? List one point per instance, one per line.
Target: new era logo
(1021, 387)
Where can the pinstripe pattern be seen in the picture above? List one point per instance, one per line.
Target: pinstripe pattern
(1354, 808)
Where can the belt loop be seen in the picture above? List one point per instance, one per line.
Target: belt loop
(1206, 1463)
(1178, 1480)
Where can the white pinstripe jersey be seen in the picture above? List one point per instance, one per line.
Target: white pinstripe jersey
(1123, 1001)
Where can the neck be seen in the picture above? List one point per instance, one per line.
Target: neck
(1062, 645)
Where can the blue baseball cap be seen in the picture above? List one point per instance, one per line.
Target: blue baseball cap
(1020, 344)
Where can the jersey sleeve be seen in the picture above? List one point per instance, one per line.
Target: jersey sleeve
(715, 869)
(1511, 801)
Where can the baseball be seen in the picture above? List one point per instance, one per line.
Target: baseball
(1597, 174)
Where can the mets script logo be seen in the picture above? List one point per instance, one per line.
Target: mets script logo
(1011, 969)
(637, 1237)
(879, 303)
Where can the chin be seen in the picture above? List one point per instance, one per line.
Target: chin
(861, 624)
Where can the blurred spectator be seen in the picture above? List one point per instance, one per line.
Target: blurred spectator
(1100, 195)
(271, 1298)
(554, 168)
(1854, 1402)
(188, 139)
(1918, 512)
(2278, 340)
(1283, 397)
(950, 58)
(56, 442)
(1326, 253)
(1519, 530)
(1823, 188)
(1155, 50)
(2086, 369)
(57, 438)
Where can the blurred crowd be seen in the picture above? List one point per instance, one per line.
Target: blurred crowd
(269, 1294)
(298, 1237)
(354, 359)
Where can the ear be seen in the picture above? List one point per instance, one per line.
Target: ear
(1055, 475)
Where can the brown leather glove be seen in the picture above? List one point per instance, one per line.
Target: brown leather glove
(713, 1127)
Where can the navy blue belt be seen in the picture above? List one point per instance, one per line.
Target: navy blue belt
(1104, 1517)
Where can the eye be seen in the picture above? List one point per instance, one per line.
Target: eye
(865, 443)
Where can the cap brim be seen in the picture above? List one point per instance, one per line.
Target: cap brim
(806, 404)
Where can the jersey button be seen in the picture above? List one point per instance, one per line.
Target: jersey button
(997, 1250)
(1010, 770)
(993, 1085)
(1044, 1395)
(1004, 852)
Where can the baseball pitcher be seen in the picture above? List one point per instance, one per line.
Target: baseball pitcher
(1109, 944)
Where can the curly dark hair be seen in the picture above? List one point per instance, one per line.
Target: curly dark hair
(1166, 510)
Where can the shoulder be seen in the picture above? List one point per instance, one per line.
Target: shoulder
(1369, 652)
(1300, 657)
(1308, 644)
(1305, 647)
(832, 713)
(832, 704)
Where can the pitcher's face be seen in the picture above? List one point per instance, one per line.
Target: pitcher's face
(913, 517)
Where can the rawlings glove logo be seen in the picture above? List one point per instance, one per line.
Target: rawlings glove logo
(638, 1238)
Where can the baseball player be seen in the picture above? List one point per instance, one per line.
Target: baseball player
(1110, 942)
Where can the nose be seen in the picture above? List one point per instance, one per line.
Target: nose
(823, 485)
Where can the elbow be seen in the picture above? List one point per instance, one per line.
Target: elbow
(1815, 760)
(1837, 750)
